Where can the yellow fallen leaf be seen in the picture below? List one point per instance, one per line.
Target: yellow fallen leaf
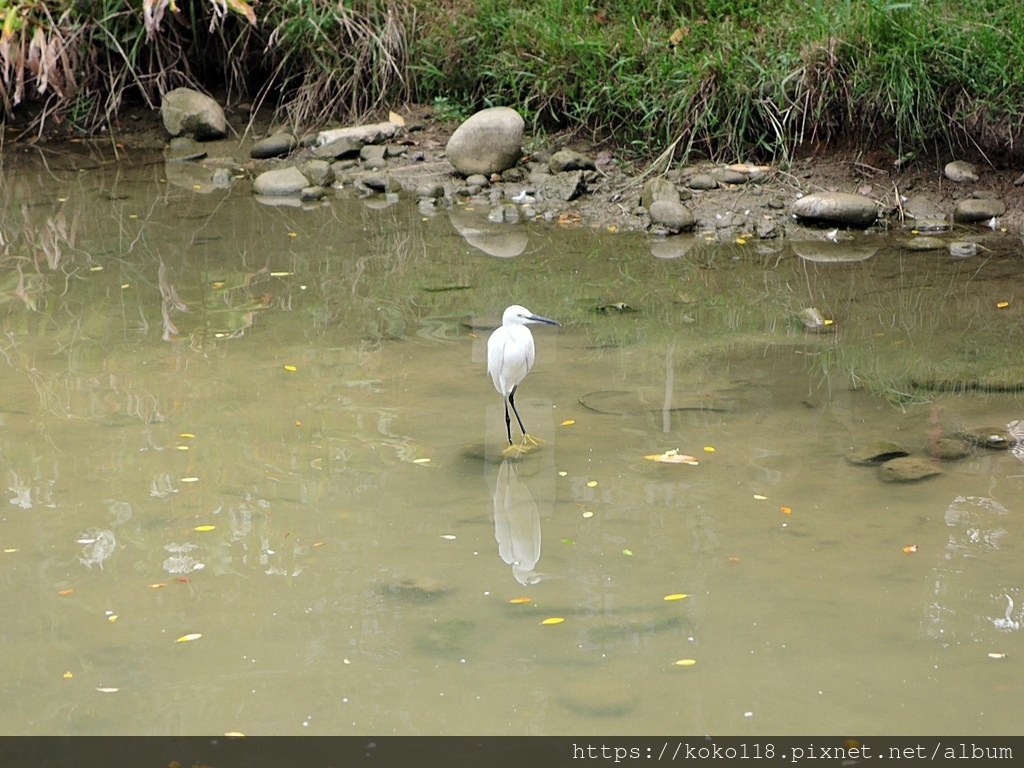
(588, 513)
(1003, 304)
(112, 618)
(786, 510)
(760, 497)
(108, 690)
(677, 596)
(567, 423)
(66, 592)
(158, 585)
(685, 662)
(421, 461)
(68, 675)
(592, 484)
(186, 435)
(676, 37)
(553, 620)
(395, 119)
(563, 473)
(190, 479)
(520, 600)
(293, 234)
(181, 447)
(708, 449)
(991, 656)
(204, 528)
(189, 637)
(672, 457)
(910, 549)
(290, 368)
(11, 550)
(318, 544)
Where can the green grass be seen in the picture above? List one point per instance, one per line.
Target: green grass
(739, 79)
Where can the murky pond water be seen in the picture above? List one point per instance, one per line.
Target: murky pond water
(255, 477)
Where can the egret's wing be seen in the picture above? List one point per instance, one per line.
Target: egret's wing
(495, 356)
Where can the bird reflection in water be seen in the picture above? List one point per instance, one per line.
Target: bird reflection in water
(517, 524)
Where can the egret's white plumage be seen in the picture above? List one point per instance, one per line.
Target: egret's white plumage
(510, 356)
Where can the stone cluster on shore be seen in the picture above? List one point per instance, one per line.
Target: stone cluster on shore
(484, 161)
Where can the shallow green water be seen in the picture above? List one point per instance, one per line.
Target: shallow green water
(271, 427)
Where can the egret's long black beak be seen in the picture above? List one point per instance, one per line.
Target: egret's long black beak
(539, 319)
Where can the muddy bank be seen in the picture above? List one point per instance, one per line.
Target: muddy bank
(727, 201)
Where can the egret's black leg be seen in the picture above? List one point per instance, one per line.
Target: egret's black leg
(508, 423)
(511, 396)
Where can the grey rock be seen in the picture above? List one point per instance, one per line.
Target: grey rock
(1019, 181)
(671, 214)
(929, 224)
(908, 469)
(703, 181)
(280, 182)
(570, 160)
(972, 210)
(277, 145)
(767, 229)
(960, 171)
(490, 141)
(319, 172)
(185, 111)
(380, 182)
(432, 191)
(563, 186)
(729, 176)
(996, 438)
(395, 150)
(374, 133)
(963, 249)
(312, 193)
(344, 146)
(375, 164)
(183, 148)
(478, 180)
(372, 152)
(924, 243)
(836, 208)
(658, 188)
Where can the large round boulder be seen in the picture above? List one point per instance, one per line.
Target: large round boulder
(490, 141)
(185, 111)
(837, 208)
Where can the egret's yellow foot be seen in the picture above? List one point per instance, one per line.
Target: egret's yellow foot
(532, 441)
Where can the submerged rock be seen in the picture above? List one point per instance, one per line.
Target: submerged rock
(277, 145)
(836, 208)
(876, 453)
(996, 438)
(908, 469)
(950, 448)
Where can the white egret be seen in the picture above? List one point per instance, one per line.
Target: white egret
(510, 355)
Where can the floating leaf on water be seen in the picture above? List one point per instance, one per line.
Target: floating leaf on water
(734, 559)
(786, 510)
(281, 274)
(66, 591)
(68, 675)
(592, 484)
(553, 620)
(677, 596)
(183, 579)
(587, 513)
(520, 600)
(910, 549)
(628, 552)
(11, 550)
(293, 234)
(568, 541)
(991, 656)
(186, 435)
(318, 544)
(181, 447)
(108, 690)
(112, 618)
(685, 662)
(158, 585)
(563, 473)
(204, 528)
(421, 461)
(1003, 304)
(449, 536)
(290, 368)
(189, 637)
(708, 449)
(190, 479)
(760, 497)
(567, 423)
(672, 457)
